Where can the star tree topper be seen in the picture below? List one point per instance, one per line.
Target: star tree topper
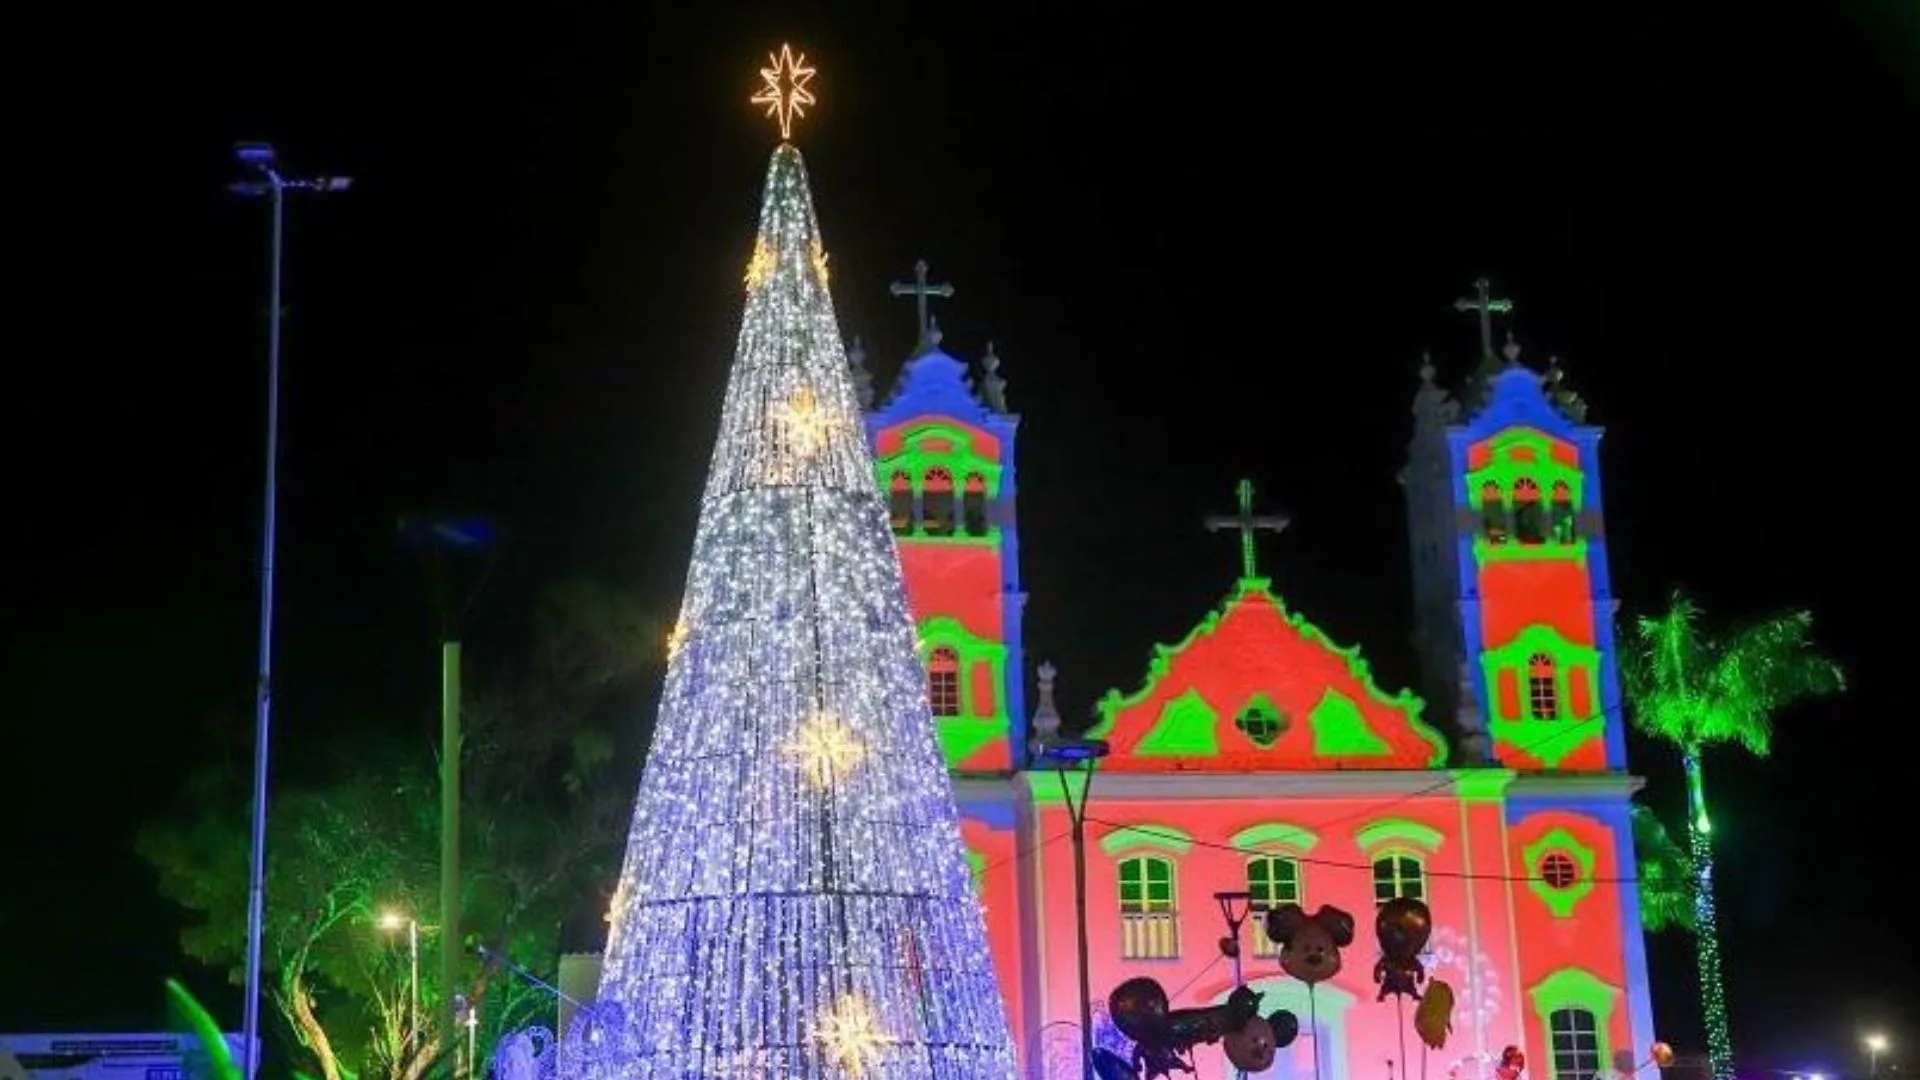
(786, 95)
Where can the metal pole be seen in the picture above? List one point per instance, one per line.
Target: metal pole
(449, 820)
(263, 688)
(1077, 815)
(413, 980)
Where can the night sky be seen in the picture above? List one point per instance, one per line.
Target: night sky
(1206, 248)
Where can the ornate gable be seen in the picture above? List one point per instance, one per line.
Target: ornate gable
(1255, 688)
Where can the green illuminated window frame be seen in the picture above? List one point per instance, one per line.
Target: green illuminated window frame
(1558, 1002)
(963, 735)
(1562, 900)
(915, 459)
(1398, 872)
(1149, 907)
(1559, 534)
(1515, 658)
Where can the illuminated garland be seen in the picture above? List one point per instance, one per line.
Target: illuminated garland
(795, 900)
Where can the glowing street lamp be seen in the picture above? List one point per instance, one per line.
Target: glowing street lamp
(1876, 1045)
(1068, 754)
(393, 920)
(262, 178)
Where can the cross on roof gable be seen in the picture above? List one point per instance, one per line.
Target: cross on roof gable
(1329, 714)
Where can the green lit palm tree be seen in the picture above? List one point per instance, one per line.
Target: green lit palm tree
(1665, 875)
(1695, 689)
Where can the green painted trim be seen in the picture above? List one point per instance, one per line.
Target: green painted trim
(1137, 837)
(1559, 901)
(914, 459)
(1486, 551)
(1340, 729)
(1273, 834)
(1162, 662)
(962, 736)
(1574, 988)
(977, 867)
(1527, 732)
(1392, 830)
(1188, 727)
(1482, 785)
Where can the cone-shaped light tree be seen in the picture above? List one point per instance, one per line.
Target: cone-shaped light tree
(795, 900)
(1694, 690)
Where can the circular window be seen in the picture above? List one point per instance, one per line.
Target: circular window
(1557, 870)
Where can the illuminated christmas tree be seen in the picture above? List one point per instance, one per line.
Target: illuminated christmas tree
(795, 900)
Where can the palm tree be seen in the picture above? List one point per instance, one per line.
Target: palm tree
(1695, 690)
(1665, 875)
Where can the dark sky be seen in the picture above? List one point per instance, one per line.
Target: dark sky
(1207, 246)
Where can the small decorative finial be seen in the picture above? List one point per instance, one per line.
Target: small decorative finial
(1427, 371)
(1046, 717)
(862, 378)
(1511, 350)
(933, 333)
(992, 384)
(785, 95)
(1570, 403)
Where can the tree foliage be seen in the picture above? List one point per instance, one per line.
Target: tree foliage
(543, 813)
(1665, 875)
(1695, 689)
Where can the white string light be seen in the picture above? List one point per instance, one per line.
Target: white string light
(795, 902)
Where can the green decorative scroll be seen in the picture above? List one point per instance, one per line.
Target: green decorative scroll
(1188, 727)
(1398, 831)
(1524, 731)
(962, 736)
(1340, 729)
(1158, 837)
(1559, 901)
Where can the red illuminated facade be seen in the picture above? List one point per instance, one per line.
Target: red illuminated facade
(1258, 755)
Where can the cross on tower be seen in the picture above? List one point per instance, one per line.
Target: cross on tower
(1488, 307)
(921, 291)
(1247, 523)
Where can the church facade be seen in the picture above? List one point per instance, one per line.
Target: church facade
(1258, 757)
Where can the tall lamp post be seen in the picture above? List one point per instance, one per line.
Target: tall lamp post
(1067, 754)
(1235, 908)
(262, 178)
(441, 540)
(394, 921)
(1876, 1045)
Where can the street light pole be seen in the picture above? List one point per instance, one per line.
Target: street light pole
(393, 921)
(1234, 907)
(264, 179)
(1066, 755)
(1876, 1045)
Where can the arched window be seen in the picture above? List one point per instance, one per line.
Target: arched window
(943, 682)
(1398, 875)
(1543, 698)
(1565, 528)
(1272, 880)
(900, 503)
(1529, 517)
(1493, 513)
(974, 506)
(1575, 1035)
(1149, 929)
(936, 503)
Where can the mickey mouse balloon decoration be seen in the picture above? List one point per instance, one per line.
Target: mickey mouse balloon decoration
(1310, 944)
(1164, 1038)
